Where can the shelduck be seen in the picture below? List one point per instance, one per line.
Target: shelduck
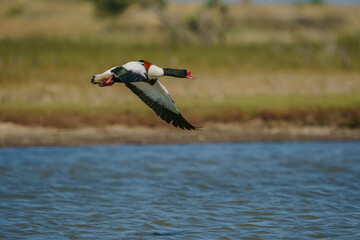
(141, 77)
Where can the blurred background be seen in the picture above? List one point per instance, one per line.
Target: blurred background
(271, 61)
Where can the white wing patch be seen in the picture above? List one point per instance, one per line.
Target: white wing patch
(136, 67)
(157, 93)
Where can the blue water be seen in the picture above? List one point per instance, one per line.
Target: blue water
(292, 190)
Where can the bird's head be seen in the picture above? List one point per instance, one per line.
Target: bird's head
(180, 73)
(103, 79)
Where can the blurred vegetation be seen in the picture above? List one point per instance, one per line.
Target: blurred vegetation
(209, 24)
(14, 10)
(111, 7)
(296, 63)
(115, 7)
(317, 1)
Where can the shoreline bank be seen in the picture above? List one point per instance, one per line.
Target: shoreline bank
(12, 135)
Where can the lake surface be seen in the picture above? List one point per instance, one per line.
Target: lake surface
(295, 190)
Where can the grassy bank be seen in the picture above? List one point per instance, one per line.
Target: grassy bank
(46, 81)
(341, 111)
(294, 63)
(22, 57)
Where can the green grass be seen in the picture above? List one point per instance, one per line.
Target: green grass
(70, 115)
(39, 75)
(256, 104)
(338, 110)
(21, 58)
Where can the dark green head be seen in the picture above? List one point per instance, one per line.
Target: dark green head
(180, 73)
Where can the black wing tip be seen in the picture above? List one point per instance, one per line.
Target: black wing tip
(194, 128)
(175, 119)
(200, 128)
(180, 122)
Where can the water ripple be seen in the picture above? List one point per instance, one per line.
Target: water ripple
(199, 191)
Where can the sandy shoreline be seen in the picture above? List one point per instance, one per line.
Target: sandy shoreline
(17, 135)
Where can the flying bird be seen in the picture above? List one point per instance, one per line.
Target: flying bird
(141, 77)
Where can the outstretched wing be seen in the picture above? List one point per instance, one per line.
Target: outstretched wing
(130, 72)
(158, 99)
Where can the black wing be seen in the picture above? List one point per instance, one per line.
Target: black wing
(124, 75)
(158, 99)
